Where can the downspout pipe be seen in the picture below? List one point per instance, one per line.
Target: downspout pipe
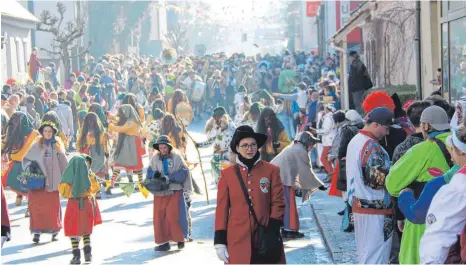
(344, 67)
(417, 42)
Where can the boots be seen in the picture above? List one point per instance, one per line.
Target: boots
(180, 245)
(76, 257)
(163, 247)
(19, 200)
(87, 254)
(36, 238)
(54, 237)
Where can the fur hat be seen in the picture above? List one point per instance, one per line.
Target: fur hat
(378, 99)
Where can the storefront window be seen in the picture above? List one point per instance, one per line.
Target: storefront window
(445, 68)
(445, 8)
(457, 58)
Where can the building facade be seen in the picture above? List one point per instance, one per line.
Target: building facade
(453, 48)
(17, 23)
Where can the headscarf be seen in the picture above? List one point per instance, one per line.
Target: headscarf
(130, 114)
(77, 175)
(97, 109)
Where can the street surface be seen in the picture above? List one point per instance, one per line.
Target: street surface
(126, 235)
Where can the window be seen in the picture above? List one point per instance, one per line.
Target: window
(457, 57)
(445, 65)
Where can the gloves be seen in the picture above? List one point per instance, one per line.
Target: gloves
(222, 252)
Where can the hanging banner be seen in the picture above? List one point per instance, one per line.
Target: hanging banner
(312, 8)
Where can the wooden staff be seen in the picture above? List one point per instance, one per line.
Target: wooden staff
(200, 160)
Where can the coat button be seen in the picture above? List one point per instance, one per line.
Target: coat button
(249, 182)
(250, 197)
(249, 175)
(249, 190)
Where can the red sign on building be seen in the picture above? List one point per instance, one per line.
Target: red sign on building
(312, 8)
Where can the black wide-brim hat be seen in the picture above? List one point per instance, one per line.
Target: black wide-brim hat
(246, 131)
(163, 139)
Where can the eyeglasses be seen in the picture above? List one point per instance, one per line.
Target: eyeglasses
(247, 146)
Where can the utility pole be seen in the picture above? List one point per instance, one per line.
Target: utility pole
(417, 42)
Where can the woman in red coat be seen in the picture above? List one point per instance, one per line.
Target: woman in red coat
(234, 225)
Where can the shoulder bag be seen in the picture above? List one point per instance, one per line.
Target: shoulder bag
(269, 243)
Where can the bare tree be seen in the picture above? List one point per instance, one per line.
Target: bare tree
(177, 38)
(392, 41)
(64, 36)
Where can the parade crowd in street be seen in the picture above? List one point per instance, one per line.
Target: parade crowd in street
(274, 120)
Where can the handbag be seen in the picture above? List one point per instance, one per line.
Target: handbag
(154, 182)
(269, 245)
(32, 178)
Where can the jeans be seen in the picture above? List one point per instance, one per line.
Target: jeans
(313, 155)
(288, 123)
(358, 97)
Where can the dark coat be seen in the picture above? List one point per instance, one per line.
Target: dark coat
(359, 79)
(347, 133)
(391, 141)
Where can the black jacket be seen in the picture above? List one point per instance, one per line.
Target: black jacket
(391, 141)
(347, 133)
(359, 79)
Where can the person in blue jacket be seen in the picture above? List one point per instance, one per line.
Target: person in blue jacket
(416, 210)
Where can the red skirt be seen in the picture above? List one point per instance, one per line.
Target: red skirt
(140, 151)
(333, 191)
(79, 222)
(97, 216)
(166, 220)
(45, 211)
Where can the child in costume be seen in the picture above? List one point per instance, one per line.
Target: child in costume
(79, 185)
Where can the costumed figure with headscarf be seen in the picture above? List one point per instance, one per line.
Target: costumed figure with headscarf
(251, 117)
(234, 241)
(79, 185)
(20, 135)
(129, 148)
(170, 212)
(297, 175)
(93, 141)
(34, 66)
(175, 133)
(131, 100)
(46, 155)
(277, 139)
(178, 96)
(153, 124)
(219, 130)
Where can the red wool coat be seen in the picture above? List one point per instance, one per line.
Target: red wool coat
(233, 222)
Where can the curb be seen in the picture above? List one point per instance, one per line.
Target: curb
(321, 230)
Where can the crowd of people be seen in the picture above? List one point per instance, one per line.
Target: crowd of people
(273, 122)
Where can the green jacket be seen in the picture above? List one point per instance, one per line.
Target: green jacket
(415, 165)
(287, 81)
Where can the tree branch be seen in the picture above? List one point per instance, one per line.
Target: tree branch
(48, 51)
(61, 9)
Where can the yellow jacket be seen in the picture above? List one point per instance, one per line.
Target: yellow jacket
(129, 128)
(65, 189)
(283, 140)
(31, 138)
(91, 141)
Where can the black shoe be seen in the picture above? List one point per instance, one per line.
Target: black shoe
(76, 257)
(54, 237)
(342, 212)
(323, 187)
(180, 245)
(36, 238)
(284, 233)
(87, 253)
(295, 234)
(163, 247)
